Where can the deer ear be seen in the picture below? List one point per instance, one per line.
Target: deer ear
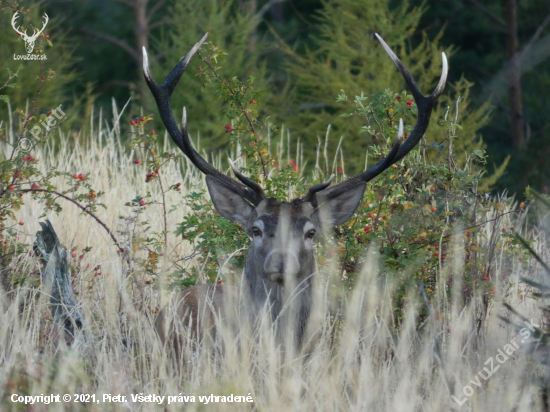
(228, 202)
(338, 203)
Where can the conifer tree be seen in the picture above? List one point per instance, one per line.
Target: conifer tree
(346, 56)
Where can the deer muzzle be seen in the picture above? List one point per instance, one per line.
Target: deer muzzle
(281, 263)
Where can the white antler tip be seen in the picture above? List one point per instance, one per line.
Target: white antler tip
(145, 63)
(445, 62)
(184, 118)
(400, 132)
(329, 181)
(233, 167)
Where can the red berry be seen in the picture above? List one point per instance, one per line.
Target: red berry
(12, 187)
(398, 97)
(409, 103)
(504, 230)
(142, 203)
(25, 158)
(41, 77)
(81, 257)
(122, 249)
(383, 217)
(252, 101)
(432, 189)
(50, 112)
(73, 255)
(75, 176)
(367, 229)
(371, 216)
(156, 171)
(200, 68)
(137, 161)
(227, 128)
(21, 223)
(348, 270)
(436, 254)
(485, 278)
(152, 132)
(132, 122)
(448, 330)
(47, 36)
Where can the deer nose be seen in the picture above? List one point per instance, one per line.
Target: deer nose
(280, 263)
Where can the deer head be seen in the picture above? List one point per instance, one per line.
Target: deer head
(281, 256)
(29, 40)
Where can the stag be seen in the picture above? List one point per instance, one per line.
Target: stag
(29, 40)
(281, 260)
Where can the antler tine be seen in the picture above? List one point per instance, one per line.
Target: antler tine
(249, 182)
(163, 94)
(310, 196)
(424, 104)
(14, 21)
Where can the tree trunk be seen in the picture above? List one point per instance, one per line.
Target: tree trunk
(141, 32)
(514, 74)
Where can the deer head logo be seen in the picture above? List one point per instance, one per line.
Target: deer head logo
(29, 40)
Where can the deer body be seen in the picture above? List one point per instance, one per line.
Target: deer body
(280, 268)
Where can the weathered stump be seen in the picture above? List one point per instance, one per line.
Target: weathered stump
(55, 279)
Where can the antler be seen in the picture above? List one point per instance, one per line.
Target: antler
(163, 94)
(425, 106)
(13, 21)
(35, 35)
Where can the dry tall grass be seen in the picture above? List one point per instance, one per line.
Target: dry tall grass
(357, 358)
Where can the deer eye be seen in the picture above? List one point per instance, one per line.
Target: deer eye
(311, 234)
(256, 231)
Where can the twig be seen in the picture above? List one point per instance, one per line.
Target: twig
(107, 37)
(92, 214)
(264, 164)
(266, 8)
(535, 37)
(489, 14)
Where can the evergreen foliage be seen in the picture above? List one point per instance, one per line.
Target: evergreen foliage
(229, 29)
(346, 56)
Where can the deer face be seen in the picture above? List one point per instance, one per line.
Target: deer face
(283, 234)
